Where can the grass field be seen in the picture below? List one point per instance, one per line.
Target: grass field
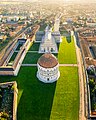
(67, 53)
(66, 98)
(39, 101)
(34, 47)
(31, 58)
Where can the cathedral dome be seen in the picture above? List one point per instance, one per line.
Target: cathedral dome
(48, 60)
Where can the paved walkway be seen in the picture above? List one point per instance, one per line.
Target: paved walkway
(37, 41)
(81, 82)
(65, 65)
(25, 65)
(69, 65)
(17, 51)
(29, 51)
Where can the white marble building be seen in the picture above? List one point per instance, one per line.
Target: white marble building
(51, 38)
(56, 25)
(48, 43)
(48, 68)
(56, 32)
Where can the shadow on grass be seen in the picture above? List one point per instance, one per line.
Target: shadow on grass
(56, 55)
(77, 39)
(36, 100)
(58, 45)
(32, 58)
(68, 39)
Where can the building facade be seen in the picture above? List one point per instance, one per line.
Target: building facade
(48, 43)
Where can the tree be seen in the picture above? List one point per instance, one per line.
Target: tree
(91, 70)
(4, 116)
(91, 83)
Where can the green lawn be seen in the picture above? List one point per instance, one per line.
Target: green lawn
(19, 46)
(66, 98)
(67, 52)
(39, 101)
(13, 57)
(31, 58)
(34, 47)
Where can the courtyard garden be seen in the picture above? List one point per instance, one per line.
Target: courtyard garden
(13, 57)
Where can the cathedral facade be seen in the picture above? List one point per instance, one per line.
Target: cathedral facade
(50, 39)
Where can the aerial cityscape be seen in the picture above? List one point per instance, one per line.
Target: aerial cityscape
(48, 60)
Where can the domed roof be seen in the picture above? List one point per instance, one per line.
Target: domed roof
(48, 60)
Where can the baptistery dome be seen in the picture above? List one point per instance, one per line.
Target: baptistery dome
(48, 60)
(48, 68)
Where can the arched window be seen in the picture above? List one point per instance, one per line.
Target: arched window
(52, 49)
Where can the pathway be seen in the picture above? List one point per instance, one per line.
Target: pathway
(37, 41)
(25, 65)
(29, 51)
(64, 65)
(69, 65)
(81, 82)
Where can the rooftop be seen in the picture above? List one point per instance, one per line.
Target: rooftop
(48, 60)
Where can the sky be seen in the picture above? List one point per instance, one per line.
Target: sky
(55, 0)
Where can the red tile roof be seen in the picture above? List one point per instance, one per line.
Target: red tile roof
(48, 60)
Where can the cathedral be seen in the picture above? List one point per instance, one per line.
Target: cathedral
(50, 39)
(48, 43)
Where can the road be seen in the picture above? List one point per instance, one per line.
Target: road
(81, 82)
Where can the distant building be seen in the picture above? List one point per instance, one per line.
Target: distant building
(91, 24)
(48, 68)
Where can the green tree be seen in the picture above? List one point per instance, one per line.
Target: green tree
(91, 83)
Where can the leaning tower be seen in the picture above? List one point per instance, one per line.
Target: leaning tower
(56, 25)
